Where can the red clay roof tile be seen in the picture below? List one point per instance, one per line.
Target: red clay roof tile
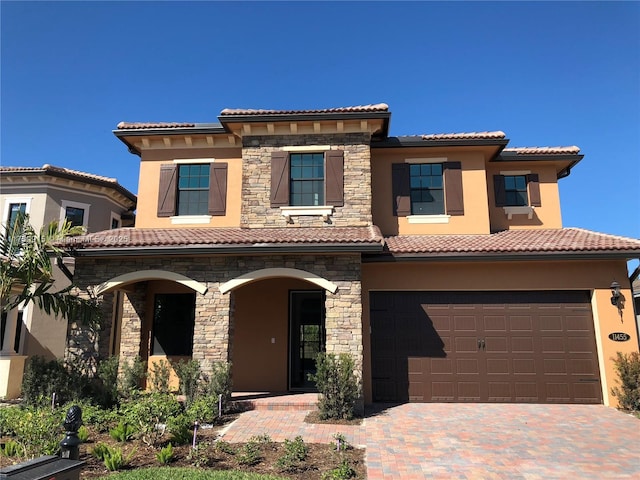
(463, 135)
(379, 107)
(572, 150)
(152, 125)
(565, 240)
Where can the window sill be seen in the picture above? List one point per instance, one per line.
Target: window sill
(319, 211)
(190, 219)
(511, 211)
(428, 219)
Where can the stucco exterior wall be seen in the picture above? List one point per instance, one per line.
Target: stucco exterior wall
(594, 276)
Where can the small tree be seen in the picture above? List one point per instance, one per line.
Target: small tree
(27, 272)
(338, 386)
(628, 368)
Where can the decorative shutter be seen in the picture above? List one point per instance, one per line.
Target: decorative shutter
(334, 178)
(167, 191)
(401, 184)
(218, 189)
(533, 185)
(454, 198)
(498, 190)
(279, 179)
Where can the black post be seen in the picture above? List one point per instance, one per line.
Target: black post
(70, 443)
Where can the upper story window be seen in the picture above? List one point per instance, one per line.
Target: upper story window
(301, 179)
(517, 190)
(75, 213)
(16, 211)
(427, 189)
(193, 189)
(307, 179)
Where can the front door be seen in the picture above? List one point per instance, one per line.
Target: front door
(306, 333)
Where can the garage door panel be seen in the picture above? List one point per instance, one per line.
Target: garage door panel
(537, 346)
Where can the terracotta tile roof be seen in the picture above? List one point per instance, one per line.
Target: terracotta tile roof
(572, 150)
(379, 107)
(152, 125)
(47, 169)
(565, 240)
(211, 237)
(464, 136)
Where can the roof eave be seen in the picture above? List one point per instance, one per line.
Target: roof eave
(493, 256)
(285, 248)
(395, 142)
(123, 133)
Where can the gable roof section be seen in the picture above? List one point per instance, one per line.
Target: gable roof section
(69, 174)
(146, 241)
(508, 244)
(378, 107)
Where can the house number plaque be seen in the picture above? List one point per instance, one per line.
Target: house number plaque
(619, 336)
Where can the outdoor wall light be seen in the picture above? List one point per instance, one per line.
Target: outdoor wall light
(615, 293)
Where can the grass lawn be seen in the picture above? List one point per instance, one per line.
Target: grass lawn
(171, 473)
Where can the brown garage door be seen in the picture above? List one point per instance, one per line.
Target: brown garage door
(535, 347)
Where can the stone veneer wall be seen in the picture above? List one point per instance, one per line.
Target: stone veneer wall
(256, 180)
(214, 311)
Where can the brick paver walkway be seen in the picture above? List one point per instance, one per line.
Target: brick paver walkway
(474, 441)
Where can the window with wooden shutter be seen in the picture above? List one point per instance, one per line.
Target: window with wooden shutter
(454, 202)
(218, 189)
(517, 190)
(279, 179)
(334, 160)
(401, 187)
(533, 184)
(167, 191)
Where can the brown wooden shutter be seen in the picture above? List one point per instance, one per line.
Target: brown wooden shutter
(533, 185)
(334, 178)
(454, 198)
(167, 191)
(218, 189)
(401, 184)
(498, 190)
(279, 179)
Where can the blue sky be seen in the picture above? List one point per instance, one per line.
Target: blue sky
(546, 73)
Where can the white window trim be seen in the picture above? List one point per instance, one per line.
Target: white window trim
(14, 200)
(115, 216)
(190, 219)
(69, 203)
(523, 210)
(310, 210)
(432, 219)
(194, 160)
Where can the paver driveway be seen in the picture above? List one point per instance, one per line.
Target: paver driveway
(474, 441)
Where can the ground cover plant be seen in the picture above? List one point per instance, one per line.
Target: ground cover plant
(628, 391)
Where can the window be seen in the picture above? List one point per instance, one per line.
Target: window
(115, 221)
(192, 189)
(75, 212)
(173, 322)
(517, 190)
(427, 189)
(16, 211)
(307, 178)
(424, 189)
(75, 216)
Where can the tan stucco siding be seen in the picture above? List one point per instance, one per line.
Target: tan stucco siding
(592, 276)
(149, 183)
(545, 216)
(476, 214)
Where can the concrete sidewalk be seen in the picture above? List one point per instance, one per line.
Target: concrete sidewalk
(473, 441)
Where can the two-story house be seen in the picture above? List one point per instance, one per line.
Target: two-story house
(47, 194)
(439, 262)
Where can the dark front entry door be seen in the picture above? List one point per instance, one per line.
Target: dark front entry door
(306, 336)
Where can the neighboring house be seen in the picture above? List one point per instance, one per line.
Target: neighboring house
(47, 194)
(438, 261)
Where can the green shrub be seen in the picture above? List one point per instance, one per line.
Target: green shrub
(249, 454)
(100, 451)
(107, 393)
(83, 434)
(148, 411)
(343, 472)
(133, 375)
(165, 455)
(295, 453)
(199, 456)
(181, 429)
(220, 382)
(9, 417)
(338, 387)
(123, 432)
(188, 373)
(39, 430)
(160, 376)
(12, 448)
(114, 459)
(203, 409)
(42, 379)
(101, 419)
(341, 444)
(225, 447)
(628, 369)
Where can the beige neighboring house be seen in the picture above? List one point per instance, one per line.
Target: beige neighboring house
(46, 194)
